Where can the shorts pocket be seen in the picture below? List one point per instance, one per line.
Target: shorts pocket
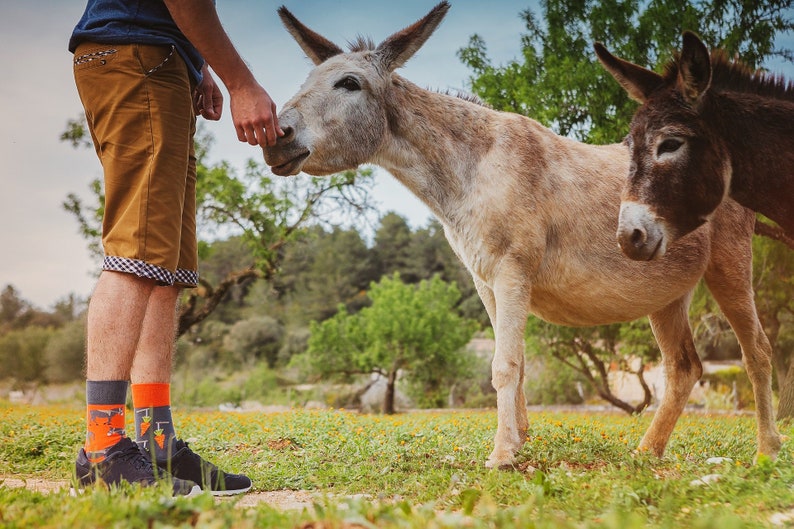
(154, 57)
(94, 58)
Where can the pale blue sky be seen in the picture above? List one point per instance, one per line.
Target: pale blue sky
(42, 254)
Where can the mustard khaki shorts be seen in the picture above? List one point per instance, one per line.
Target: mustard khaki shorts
(138, 106)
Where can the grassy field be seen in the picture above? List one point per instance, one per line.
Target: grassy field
(418, 470)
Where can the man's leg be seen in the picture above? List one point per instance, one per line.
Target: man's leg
(151, 375)
(115, 317)
(155, 349)
(151, 399)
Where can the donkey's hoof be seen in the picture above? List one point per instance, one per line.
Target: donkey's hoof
(500, 459)
(648, 450)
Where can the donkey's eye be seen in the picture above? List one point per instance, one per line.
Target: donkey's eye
(348, 83)
(669, 145)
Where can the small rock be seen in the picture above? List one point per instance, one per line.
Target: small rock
(705, 480)
(718, 460)
(782, 518)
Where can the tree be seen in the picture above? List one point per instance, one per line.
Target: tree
(12, 308)
(255, 339)
(594, 351)
(22, 353)
(559, 82)
(267, 214)
(339, 272)
(431, 254)
(412, 329)
(64, 354)
(391, 251)
(774, 286)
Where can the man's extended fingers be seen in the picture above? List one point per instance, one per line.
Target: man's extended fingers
(259, 135)
(241, 133)
(270, 135)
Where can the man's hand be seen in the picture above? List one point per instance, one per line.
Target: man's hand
(207, 98)
(254, 116)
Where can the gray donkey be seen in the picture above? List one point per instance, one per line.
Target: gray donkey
(530, 213)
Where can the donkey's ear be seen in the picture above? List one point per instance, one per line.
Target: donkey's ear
(397, 49)
(639, 82)
(694, 67)
(316, 47)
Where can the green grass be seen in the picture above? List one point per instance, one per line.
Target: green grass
(417, 470)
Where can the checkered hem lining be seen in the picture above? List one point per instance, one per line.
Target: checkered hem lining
(188, 278)
(150, 271)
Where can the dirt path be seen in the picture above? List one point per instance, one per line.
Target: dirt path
(279, 499)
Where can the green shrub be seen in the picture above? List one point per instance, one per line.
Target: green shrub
(65, 353)
(722, 382)
(257, 338)
(22, 353)
(549, 381)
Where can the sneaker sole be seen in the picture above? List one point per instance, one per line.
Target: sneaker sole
(195, 491)
(229, 492)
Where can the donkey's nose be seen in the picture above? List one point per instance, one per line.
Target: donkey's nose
(638, 237)
(631, 239)
(289, 133)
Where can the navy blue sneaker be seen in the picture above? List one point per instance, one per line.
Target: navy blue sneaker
(187, 465)
(125, 462)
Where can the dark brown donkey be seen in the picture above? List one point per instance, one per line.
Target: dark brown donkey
(708, 128)
(531, 214)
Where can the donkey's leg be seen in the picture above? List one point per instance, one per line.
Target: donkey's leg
(511, 302)
(682, 369)
(488, 300)
(487, 297)
(521, 399)
(729, 278)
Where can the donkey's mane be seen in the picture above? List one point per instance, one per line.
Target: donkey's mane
(738, 76)
(361, 44)
(466, 96)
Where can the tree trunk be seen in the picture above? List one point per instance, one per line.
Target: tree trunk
(647, 395)
(388, 397)
(599, 380)
(190, 313)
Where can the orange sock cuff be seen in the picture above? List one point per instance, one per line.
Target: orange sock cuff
(151, 395)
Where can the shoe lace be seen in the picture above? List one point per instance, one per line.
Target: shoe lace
(134, 456)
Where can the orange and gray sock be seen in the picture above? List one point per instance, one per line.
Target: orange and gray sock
(154, 426)
(105, 416)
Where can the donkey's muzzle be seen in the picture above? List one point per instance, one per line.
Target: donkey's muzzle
(640, 235)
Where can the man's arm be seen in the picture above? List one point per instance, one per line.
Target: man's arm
(253, 111)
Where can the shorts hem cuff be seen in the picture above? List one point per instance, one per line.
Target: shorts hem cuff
(138, 268)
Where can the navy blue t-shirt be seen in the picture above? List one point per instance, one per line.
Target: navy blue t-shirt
(134, 22)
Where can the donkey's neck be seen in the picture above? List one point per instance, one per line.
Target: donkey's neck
(435, 144)
(759, 136)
